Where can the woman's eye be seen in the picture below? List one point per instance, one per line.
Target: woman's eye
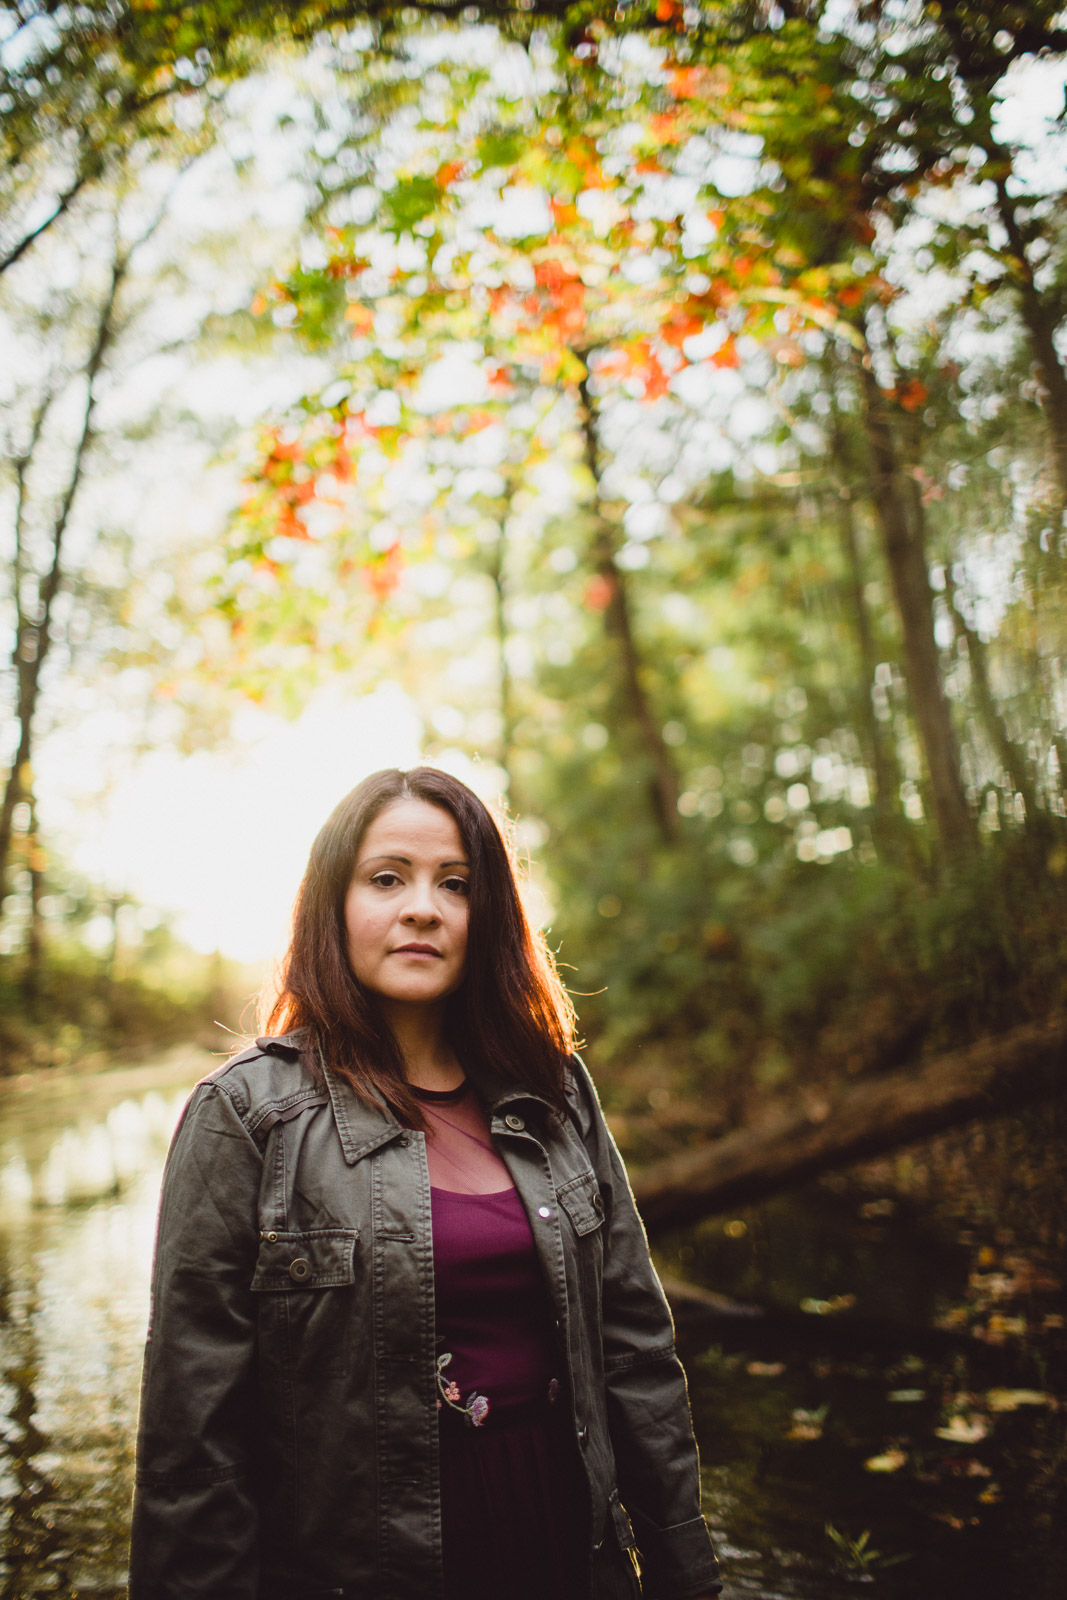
(385, 880)
(457, 885)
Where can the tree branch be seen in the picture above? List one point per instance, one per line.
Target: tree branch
(63, 205)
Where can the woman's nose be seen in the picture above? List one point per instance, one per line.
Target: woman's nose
(420, 905)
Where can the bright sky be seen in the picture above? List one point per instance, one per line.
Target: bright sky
(220, 839)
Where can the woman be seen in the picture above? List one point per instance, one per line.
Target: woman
(406, 1340)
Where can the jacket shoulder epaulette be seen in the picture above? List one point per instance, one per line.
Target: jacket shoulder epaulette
(261, 1076)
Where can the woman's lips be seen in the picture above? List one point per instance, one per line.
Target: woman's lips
(416, 950)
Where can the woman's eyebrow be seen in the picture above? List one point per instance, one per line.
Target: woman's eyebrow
(405, 861)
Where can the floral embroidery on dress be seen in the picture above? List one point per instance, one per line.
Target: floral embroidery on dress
(476, 1408)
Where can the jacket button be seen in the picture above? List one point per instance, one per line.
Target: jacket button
(544, 1211)
(299, 1269)
(271, 1238)
(598, 1202)
(516, 1124)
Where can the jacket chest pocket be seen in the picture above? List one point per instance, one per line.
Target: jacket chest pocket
(581, 1199)
(322, 1258)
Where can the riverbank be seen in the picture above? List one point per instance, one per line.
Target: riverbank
(77, 1015)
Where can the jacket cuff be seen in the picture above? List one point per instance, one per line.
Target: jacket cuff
(677, 1563)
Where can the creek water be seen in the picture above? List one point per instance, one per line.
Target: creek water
(862, 1402)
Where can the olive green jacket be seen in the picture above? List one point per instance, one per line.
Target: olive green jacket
(287, 1446)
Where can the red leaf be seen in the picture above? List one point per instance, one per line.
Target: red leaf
(598, 593)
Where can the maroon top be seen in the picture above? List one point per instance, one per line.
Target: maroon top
(492, 1309)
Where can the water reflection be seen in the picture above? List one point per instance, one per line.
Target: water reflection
(80, 1166)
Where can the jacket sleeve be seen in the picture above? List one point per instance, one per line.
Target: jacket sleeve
(647, 1401)
(195, 1529)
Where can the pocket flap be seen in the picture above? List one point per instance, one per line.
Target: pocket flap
(320, 1259)
(583, 1203)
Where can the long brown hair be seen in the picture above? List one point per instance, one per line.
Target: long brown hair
(511, 1014)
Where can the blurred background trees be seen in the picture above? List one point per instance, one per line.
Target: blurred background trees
(688, 400)
(678, 414)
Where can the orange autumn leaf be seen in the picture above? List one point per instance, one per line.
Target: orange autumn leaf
(726, 355)
(289, 525)
(657, 382)
(663, 126)
(598, 593)
(447, 173)
(382, 573)
(679, 328)
(552, 274)
(582, 152)
(716, 217)
(476, 421)
(690, 83)
(910, 394)
(594, 177)
(667, 10)
(346, 266)
(361, 317)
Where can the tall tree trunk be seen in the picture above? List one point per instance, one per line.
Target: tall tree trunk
(1011, 755)
(979, 75)
(619, 619)
(33, 630)
(1040, 323)
(881, 752)
(906, 559)
(883, 759)
(505, 689)
(35, 865)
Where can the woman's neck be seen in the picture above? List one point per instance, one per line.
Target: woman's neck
(429, 1060)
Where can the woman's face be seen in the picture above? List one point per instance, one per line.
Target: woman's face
(406, 908)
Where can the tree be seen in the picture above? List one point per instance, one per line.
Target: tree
(38, 573)
(559, 305)
(776, 923)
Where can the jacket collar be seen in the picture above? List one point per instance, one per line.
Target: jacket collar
(362, 1126)
(497, 1091)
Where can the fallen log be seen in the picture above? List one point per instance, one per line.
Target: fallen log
(825, 1131)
